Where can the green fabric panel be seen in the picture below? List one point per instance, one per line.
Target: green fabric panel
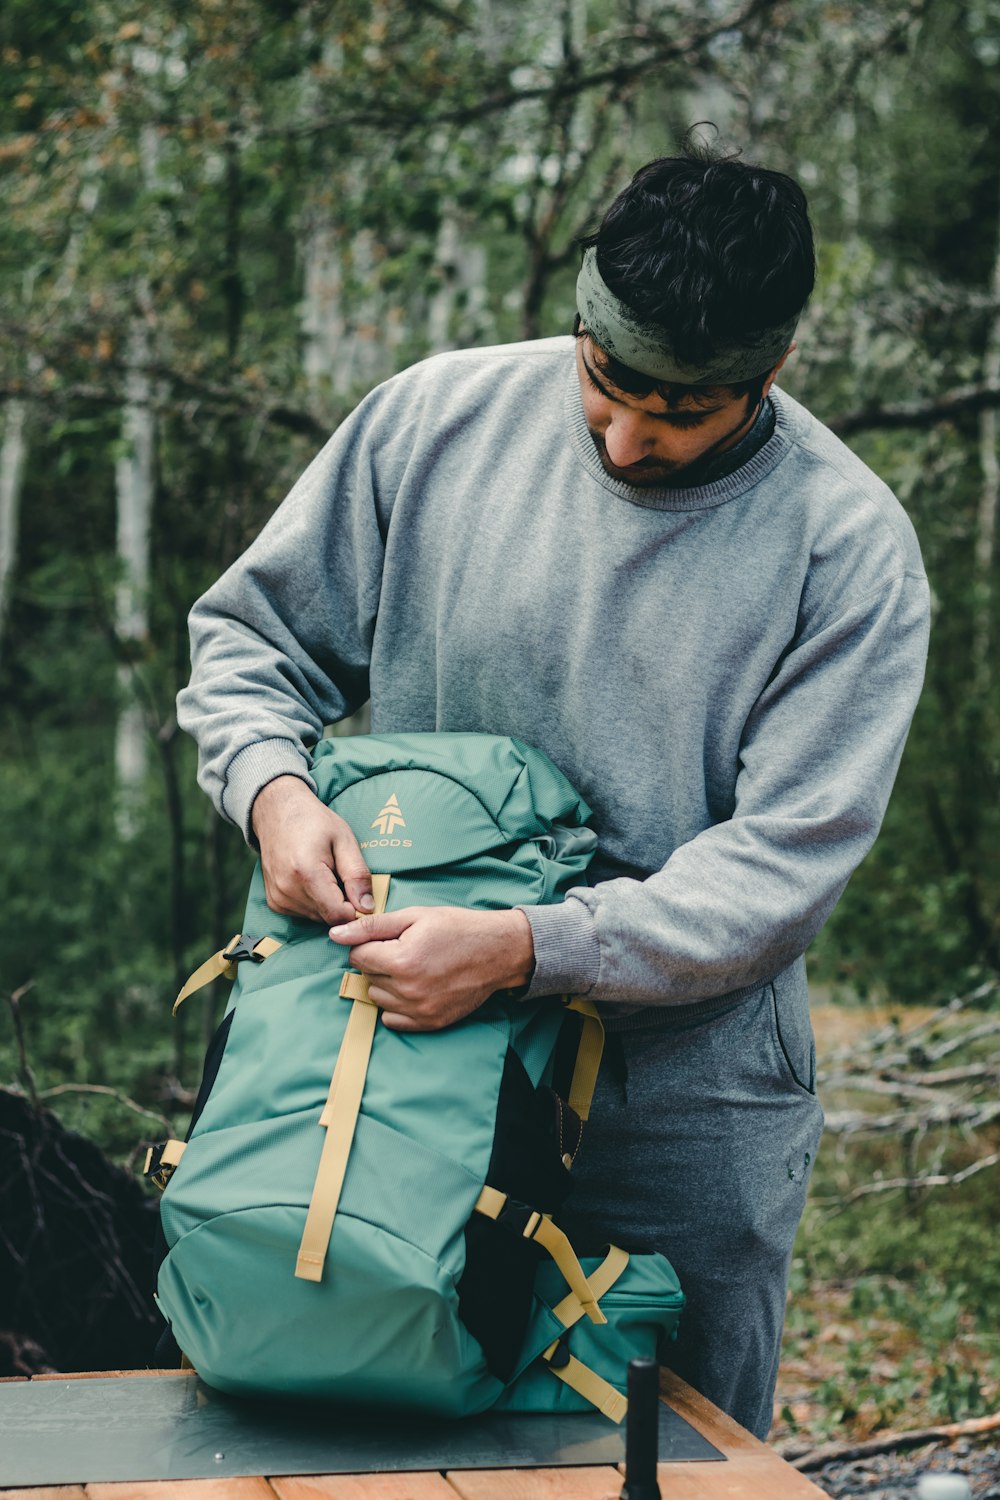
(393, 1182)
(643, 1309)
(440, 1088)
(438, 821)
(398, 1337)
(534, 1032)
(519, 788)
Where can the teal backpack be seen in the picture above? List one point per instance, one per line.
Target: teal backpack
(367, 1215)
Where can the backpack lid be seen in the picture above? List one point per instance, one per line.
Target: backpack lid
(421, 801)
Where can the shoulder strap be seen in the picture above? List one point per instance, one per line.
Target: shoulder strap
(588, 1057)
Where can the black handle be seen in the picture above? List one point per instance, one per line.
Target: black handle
(642, 1431)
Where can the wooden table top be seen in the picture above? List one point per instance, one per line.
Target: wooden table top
(753, 1472)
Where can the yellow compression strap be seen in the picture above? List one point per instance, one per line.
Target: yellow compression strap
(221, 967)
(340, 1113)
(541, 1229)
(588, 1057)
(570, 1309)
(591, 1386)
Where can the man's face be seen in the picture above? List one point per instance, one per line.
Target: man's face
(644, 442)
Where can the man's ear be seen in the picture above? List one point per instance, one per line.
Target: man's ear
(771, 377)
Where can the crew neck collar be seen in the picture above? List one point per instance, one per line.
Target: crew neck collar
(680, 497)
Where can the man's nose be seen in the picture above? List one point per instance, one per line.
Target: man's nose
(627, 439)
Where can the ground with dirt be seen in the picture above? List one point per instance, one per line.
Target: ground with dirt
(885, 1327)
(895, 1476)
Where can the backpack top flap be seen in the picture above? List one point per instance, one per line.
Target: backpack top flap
(504, 792)
(450, 811)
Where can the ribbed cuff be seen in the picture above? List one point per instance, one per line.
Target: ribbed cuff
(249, 772)
(567, 953)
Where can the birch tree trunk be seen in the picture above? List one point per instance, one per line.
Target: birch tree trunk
(342, 344)
(13, 454)
(134, 489)
(134, 485)
(322, 319)
(989, 496)
(14, 449)
(458, 310)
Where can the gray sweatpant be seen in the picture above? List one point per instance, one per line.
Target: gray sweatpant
(700, 1145)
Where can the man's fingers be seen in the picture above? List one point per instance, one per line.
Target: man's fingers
(319, 886)
(352, 872)
(373, 929)
(397, 1022)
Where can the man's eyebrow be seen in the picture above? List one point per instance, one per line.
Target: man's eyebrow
(689, 418)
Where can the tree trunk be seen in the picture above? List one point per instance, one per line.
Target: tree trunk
(134, 484)
(14, 450)
(457, 312)
(321, 312)
(989, 495)
(12, 459)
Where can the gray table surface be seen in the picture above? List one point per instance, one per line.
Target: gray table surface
(175, 1427)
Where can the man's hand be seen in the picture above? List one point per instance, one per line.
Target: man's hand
(311, 861)
(431, 965)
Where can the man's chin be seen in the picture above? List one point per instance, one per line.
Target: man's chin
(642, 474)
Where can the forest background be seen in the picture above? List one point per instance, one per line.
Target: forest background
(224, 221)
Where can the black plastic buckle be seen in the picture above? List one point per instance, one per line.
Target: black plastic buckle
(243, 948)
(158, 1172)
(559, 1358)
(515, 1216)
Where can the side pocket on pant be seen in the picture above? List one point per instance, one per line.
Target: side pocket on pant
(793, 1035)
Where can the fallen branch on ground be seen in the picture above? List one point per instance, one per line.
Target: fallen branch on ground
(897, 1184)
(888, 1442)
(972, 1115)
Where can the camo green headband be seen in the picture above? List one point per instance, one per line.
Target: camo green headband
(646, 347)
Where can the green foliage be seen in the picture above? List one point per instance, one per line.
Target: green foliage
(178, 164)
(894, 1315)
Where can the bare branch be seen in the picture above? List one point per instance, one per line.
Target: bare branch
(974, 1073)
(856, 1122)
(899, 1088)
(944, 408)
(899, 1184)
(953, 1044)
(889, 1442)
(634, 65)
(206, 398)
(24, 1070)
(103, 1088)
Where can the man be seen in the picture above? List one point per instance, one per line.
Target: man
(631, 550)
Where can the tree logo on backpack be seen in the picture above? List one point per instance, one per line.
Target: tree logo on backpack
(388, 819)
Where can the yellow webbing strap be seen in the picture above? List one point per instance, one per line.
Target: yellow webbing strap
(591, 1386)
(552, 1239)
(588, 1057)
(541, 1229)
(340, 1116)
(491, 1202)
(570, 1309)
(220, 967)
(354, 986)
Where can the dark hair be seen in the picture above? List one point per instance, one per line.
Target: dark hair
(710, 248)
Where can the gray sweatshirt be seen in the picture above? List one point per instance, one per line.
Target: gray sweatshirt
(726, 672)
